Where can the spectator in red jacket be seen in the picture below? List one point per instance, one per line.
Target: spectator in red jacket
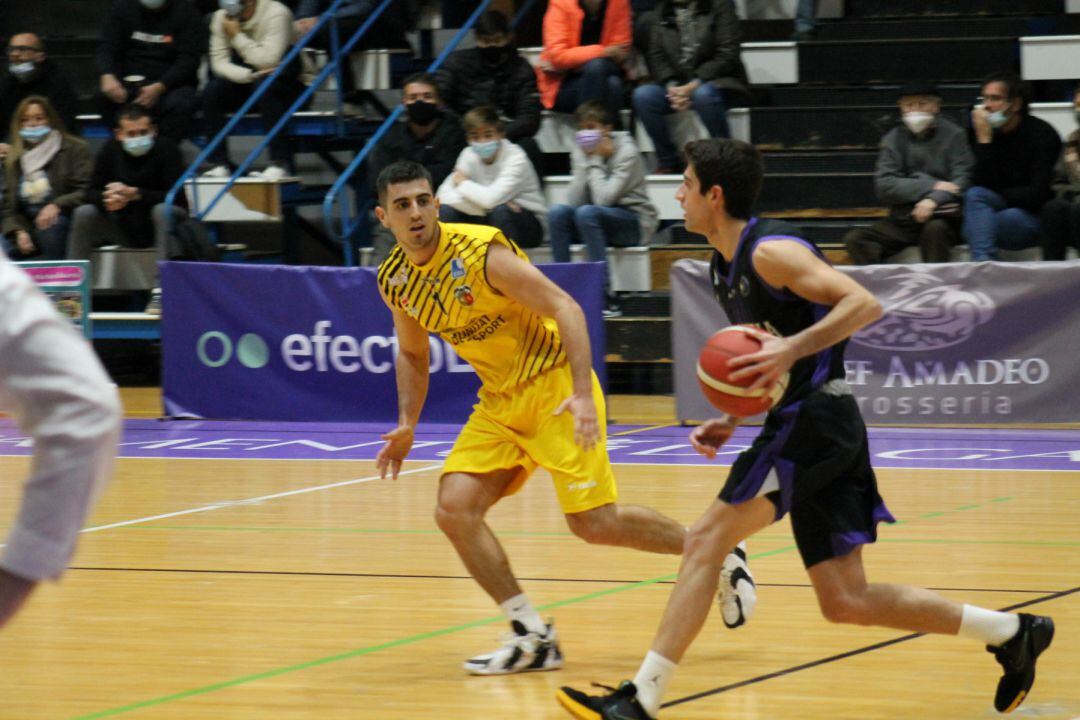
(585, 44)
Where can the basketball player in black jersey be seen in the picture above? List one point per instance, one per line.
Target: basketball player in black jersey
(811, 459)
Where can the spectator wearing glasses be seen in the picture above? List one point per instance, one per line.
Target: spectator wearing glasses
(31, 72)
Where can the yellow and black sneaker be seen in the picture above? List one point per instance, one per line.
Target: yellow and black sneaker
(617, 704)
(1017, 657)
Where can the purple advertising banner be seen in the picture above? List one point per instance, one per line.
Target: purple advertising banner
(276, 342)
(960, 343)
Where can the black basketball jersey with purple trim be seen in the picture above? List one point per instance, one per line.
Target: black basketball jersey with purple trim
(749, 300)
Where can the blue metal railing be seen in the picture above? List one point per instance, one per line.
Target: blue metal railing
(338, 54)
(349, 225)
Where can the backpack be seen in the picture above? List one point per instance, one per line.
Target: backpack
(190, 241)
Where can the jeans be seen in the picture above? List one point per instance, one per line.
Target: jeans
(599, 79)
(51, 243)
(174, 112)
(597, 226)
(805, 16)
(223, 96)
(989, 224)
(521, 227)
(652, 107)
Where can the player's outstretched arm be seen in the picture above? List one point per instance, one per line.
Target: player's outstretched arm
(522, 282)
(53, 384)
(791, 265)
(411, 371)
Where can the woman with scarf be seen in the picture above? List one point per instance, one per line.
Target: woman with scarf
(47, 174)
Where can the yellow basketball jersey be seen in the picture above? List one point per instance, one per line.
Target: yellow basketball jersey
(505, 342)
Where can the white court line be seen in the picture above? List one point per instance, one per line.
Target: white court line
(233, 503)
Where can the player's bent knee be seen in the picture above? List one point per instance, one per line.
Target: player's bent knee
(842, 608)
(593, 526)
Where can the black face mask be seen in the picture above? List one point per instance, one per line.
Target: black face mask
(495, 54)
(422, 112)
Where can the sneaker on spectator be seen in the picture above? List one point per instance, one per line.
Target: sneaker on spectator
(154, 306)
(272, 172)
(218, 171)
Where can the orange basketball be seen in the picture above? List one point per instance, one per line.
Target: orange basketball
(731, 396)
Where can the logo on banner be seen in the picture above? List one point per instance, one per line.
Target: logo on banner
(925, 313)
(464, 295)
(457, 268)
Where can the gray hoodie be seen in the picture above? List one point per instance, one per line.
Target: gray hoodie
(618, 181)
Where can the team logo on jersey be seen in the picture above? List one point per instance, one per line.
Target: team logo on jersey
(409, 309)
(399, 279)
(457, 268)
(464, 295)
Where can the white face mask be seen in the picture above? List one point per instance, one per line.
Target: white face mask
(918, 121)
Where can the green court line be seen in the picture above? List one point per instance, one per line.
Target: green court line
(420, 637)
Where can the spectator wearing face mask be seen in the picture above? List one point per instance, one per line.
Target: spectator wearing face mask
(1060, 219)
(47, 173)
(1015, 155)
(494, 183)
(923, 168)
(494, 74)
(149, 55)
(608, 199)
(248, 38)
(133, 171)
(31, 72)
(431, 135)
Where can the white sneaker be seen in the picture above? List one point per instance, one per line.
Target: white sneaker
(218, 171)
(154, 306)
(738, 593)
(522, 651)
(272, 172)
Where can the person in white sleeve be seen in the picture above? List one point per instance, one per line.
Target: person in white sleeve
(494, 183)
(56, 389)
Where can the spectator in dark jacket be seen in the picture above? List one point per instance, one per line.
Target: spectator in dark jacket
(133, 172)
(31, 72)
(47, 172)
(495, 75)
(694, 60)
(149, 55)
(923, 169)
(1015, 155)
(432, 136)
(1060, 219)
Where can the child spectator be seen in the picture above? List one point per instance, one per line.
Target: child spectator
(494, 183)
(609, 201)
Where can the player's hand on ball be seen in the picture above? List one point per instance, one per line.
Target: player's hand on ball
(583, 410)
(711, 435)
(398, 443)
(772, 361)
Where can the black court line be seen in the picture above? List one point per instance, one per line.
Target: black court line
(408, 576)
(842, 656)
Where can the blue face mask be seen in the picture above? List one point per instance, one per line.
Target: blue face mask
(232, 8)
(22, 70)
(997, 118)
(486, 150)
(138, 146)
(34, 134)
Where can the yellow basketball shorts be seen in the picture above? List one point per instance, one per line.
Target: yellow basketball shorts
(519, 429)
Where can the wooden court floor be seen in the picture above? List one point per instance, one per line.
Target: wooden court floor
(232, 598)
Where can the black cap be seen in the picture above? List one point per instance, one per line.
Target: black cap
(919, 87)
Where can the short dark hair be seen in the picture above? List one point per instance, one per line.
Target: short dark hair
(481, 116)
(1015, 87)
(491, 23)
(424, 78)
(733, 165)
(593, 111)
(131, 111)
(402, 171)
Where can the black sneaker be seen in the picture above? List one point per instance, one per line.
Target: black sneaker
(617, 704)
(1017, 657)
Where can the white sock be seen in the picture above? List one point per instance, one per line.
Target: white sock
(988, 626)
(519, 608)
(651, 681)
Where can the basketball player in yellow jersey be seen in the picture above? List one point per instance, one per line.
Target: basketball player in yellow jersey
(540, 403)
